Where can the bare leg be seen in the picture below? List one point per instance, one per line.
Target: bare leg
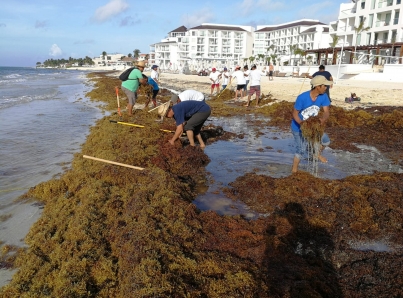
(147, 102)
(247, 104)
(320, 157)
(129, 109)
(201, 142)
(190, 135)
(257, 101)
(295, 165)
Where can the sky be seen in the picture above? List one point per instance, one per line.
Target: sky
(33, 31)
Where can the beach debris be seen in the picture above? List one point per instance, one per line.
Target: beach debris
(113, 162)
(312, 131)
(353, 97)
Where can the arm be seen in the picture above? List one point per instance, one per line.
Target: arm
(295, 116)
(178, 133)
(331, 79)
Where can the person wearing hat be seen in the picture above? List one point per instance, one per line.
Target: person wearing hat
(187, 95)
(240, 80)
(153, 81)
(308, 104)
(327, 75)
(215, 77)
(189, 116)
(131, 85)
(225, 76)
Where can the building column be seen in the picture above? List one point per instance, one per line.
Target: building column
(377, 58)
(401, 55)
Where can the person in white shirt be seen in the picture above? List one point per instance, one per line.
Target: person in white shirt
(241, 81)
(255, 76)
(215, 77)
(187, 95)
(154, 74)
(225, 76)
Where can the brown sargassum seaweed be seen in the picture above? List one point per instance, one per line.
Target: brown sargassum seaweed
(109, 231)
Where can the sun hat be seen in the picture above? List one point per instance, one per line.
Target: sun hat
(163, 109)
(140, 63)
(154, 66)
(213, 69)
(320, 80)
(225, 68)
(174, 98)
(237, 67)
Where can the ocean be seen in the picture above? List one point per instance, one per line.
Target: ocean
(44, 119)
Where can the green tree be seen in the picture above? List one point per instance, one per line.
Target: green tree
(136, 53)
(358, 30)
(129, 55)
(333, 44)
(251, 59)
(293, 48)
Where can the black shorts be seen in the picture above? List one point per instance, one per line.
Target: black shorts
(155, 92)
(240, 87)
(196, 122)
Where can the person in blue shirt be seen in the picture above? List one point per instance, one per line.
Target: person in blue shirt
(189, 116)
(156, 89)
(308, 104)
(327, 75)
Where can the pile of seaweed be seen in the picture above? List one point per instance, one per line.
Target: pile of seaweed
(109, 231)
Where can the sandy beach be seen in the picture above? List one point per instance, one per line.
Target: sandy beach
(287, 88)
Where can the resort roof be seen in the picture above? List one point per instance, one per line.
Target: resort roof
(180, 29)
(290, 25)
(229, 28)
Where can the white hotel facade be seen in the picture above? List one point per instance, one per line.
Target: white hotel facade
(218, 45)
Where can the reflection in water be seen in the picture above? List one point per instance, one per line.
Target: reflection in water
(271, 154)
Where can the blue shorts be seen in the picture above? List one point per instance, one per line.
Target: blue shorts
(300, 143)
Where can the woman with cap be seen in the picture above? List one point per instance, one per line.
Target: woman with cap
(215, 77)
(308, 104)
(131, 85)
(189, 116)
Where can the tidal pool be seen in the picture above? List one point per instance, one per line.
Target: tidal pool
(271, 153)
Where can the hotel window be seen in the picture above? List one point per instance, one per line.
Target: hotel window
(363, 5)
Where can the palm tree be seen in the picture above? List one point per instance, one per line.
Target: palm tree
(245, 60)
(273, 57)
(260, 57)
(358, 31)
(333, 44)
(251, 59)
(136, 53)
(129, 55)
(293, 48)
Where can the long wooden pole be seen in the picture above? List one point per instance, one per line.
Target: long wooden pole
(117, 98)
(113, 162)
(136, 125)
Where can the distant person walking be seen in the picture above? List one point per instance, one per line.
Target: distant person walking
(271, 71)
(215, 77)
(327, 75)
(241, 81)
(255, 76)
(131, 85)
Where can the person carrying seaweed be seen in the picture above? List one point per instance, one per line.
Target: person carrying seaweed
(306, 126)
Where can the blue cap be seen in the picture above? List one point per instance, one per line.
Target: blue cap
(225, 68)
(154, 66)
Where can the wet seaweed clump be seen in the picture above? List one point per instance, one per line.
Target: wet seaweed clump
(225, 95)
(312, 130)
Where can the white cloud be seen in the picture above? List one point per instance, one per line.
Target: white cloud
(204, 15)
(55, 50)
(108, 11)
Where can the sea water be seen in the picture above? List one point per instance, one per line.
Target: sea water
(44, 119)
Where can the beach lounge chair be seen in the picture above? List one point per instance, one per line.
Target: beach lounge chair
(281, 74)
(304, 75)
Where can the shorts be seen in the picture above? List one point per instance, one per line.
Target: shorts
(270, 73)
(254, 89)
(224, 86)
(246, 85)
(155, 92)
(131, 96)
(240, 87)
(301, 145)
(196, 122)
(215, 85)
